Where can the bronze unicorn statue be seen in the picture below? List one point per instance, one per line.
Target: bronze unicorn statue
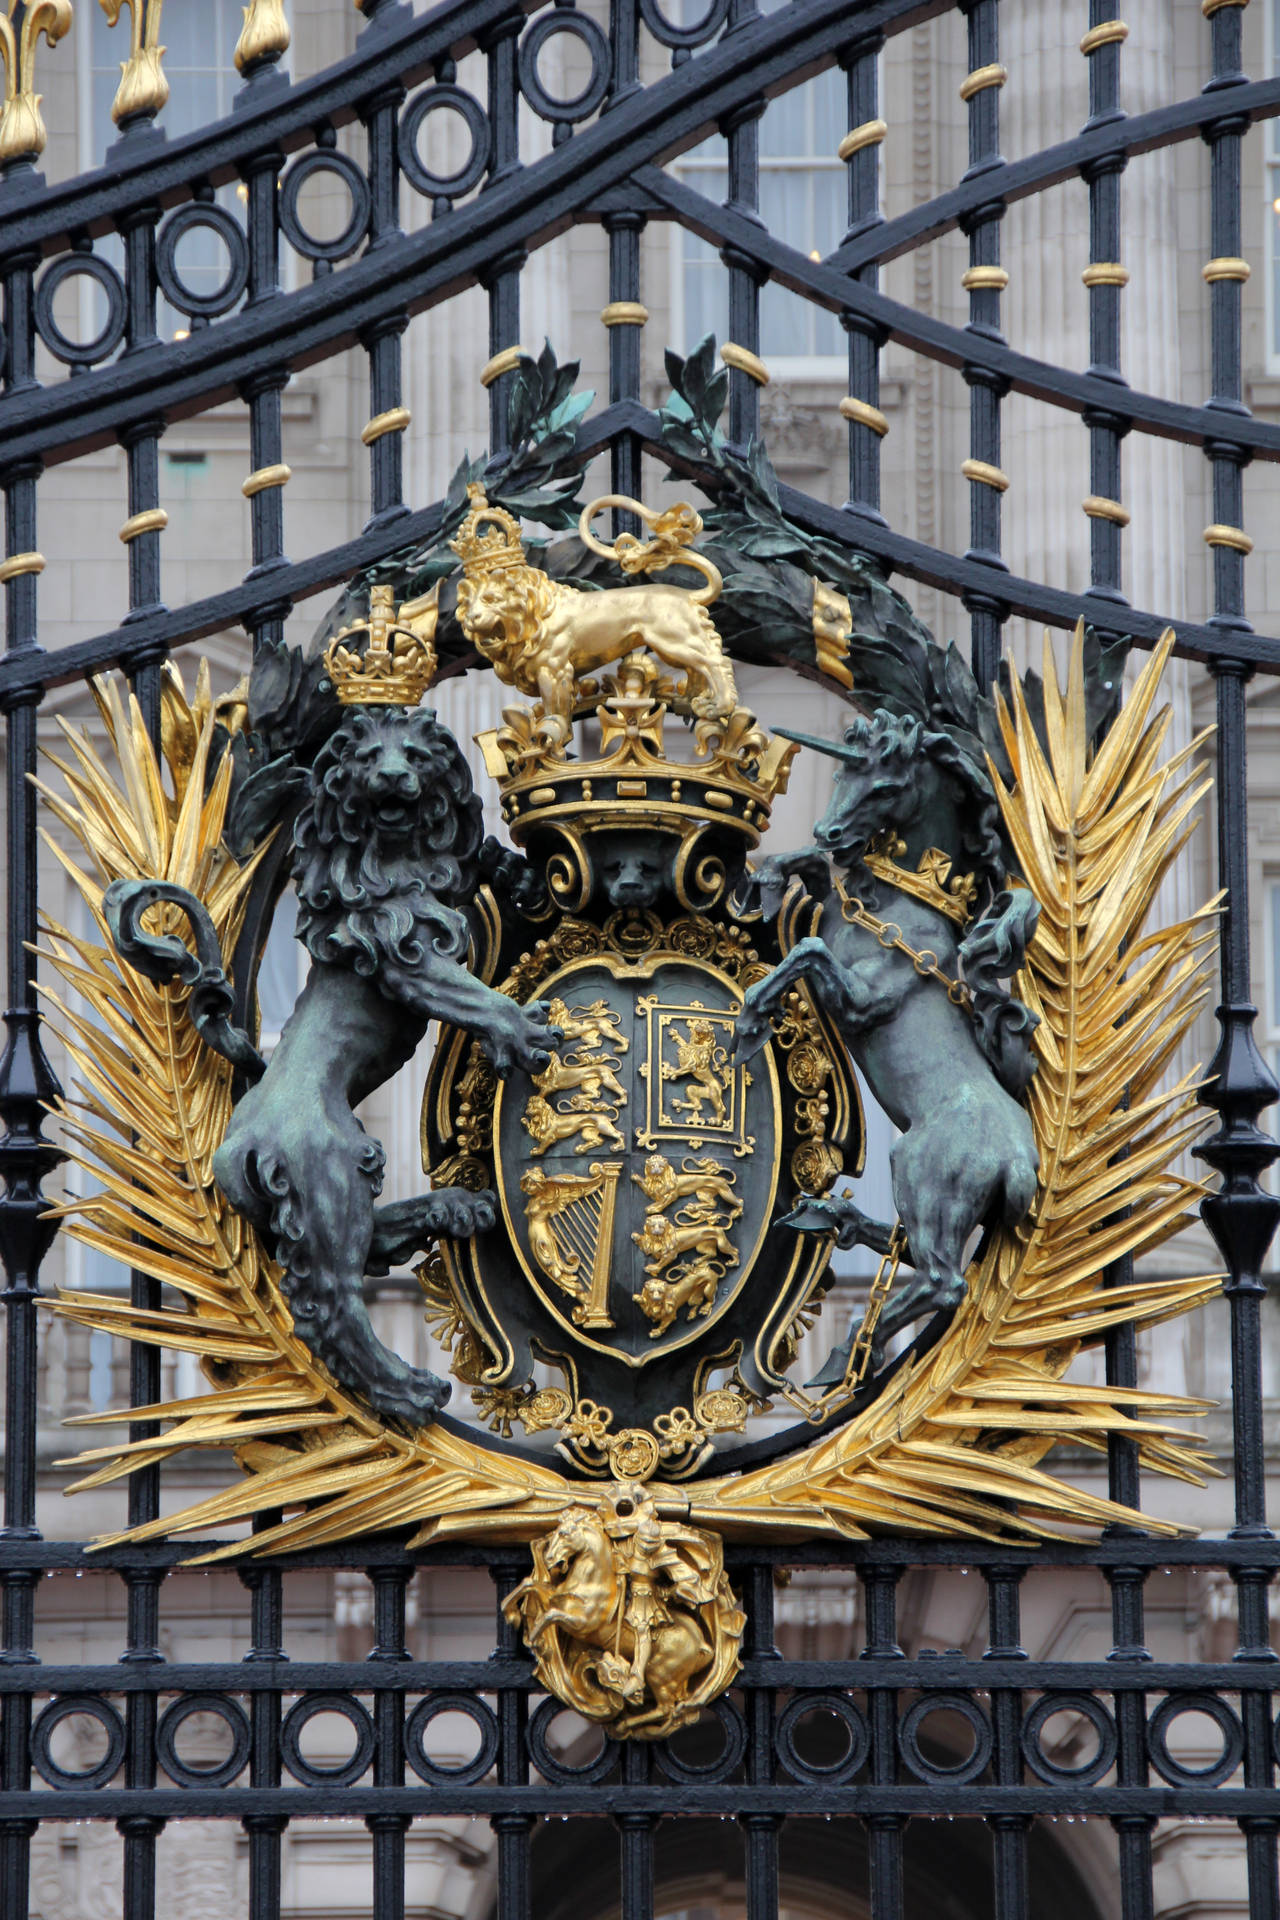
(908, 970)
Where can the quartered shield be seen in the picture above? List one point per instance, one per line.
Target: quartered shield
(638, 1173)
(642, 1177)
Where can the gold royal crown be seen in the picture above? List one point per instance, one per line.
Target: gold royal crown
(398, 664)
(494, 550)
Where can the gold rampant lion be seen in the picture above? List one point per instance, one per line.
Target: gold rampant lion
(542, 637)
(701, 1060)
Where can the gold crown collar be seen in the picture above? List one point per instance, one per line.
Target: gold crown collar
(931, 883)
(398, 664)
(497, 547)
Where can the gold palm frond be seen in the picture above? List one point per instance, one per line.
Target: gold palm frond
(955, 1442)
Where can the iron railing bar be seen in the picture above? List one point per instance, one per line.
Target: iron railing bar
(954, 346)
(987, 386)
(866, 425)
(1138, 133)
(868, 1674)
(389, 1829)
(526, 209)
(27, 1087)
(877, 1802)
(181, 627)
(1242, 1216)
(57, 1556)
(723, 1801)
(761, 1829)
(512, 1822)
(1008, 1833)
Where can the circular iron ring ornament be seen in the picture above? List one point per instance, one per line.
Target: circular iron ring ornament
(79, 354)
(195, 217)
(683, 39)
(956, 1773)
(342, 167)
(1171, 1708)
(68, 1706)
(1089, 1771)
(725, 1764)
(218, 1773)
(561, 1773)
(444, 98)
(579, 106)
(467, 1772)
(343, 1773)
(831, 1773)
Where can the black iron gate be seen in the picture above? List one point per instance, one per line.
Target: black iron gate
(245, 339)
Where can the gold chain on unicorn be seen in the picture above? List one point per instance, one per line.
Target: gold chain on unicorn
(889, 934)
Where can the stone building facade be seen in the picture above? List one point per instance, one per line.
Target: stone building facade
(1045, 454)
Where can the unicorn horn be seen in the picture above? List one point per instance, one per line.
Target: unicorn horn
(836, 749)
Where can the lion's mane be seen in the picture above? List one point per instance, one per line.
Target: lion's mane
(366, 899)
(528, 599)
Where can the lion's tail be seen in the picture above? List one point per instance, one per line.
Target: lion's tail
(165, 957)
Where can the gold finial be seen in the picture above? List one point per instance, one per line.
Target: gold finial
(398, 665)
(22, 128)
(264, 35)
(489, 552)
(143, 87)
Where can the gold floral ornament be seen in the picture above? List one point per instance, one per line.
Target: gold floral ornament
(143, 87)
(22, 130)
(264, 35)
(629, 1614)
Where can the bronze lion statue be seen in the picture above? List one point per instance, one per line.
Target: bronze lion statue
(388, 848)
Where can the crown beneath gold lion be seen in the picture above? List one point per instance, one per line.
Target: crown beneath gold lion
(398, 664)
(489, 538)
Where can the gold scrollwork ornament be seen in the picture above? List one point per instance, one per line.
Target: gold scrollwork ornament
(629, 1615)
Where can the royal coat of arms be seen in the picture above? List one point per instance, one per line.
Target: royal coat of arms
(642, 1111)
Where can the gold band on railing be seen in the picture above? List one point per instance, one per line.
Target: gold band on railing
(1107, 33)
(1226, 267)
(989, 476)
(151, 520)
(869, 134)
(19, 563)
(624, 313)
(1098, 507)
(277, 476)
(984, 279)
(1105, 273)
(505, 362)
(863, 414)
(1234, 537)
(1209, 7)
(746, 362)
(981, 78)
(394, 420)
